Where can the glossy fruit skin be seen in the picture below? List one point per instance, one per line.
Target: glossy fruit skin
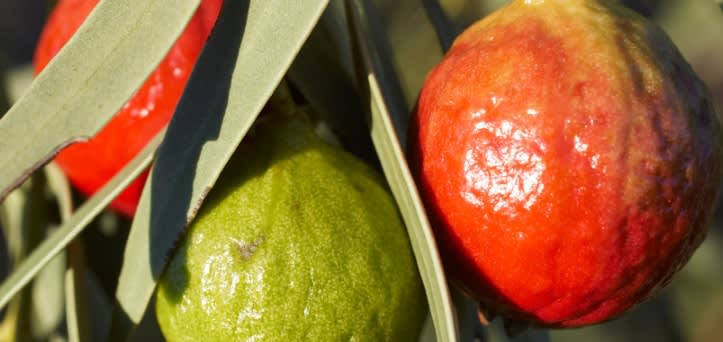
(89, 165)
(569, 170)
(297, 241)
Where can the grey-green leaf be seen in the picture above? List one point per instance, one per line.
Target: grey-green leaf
(112, 53)
(228, 89)
(323, 74)
(387, 105)
(443, 26)
(77, 308)
(60, 238)
(60, 188)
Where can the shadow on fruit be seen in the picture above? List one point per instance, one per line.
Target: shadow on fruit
(198, 118)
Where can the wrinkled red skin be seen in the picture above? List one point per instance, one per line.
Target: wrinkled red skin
(89, 165)
(568, 173)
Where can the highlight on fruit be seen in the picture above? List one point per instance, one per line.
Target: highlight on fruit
(297, 241)
(89, 165)
(569, 159)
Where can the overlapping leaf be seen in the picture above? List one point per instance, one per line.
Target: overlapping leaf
(245, 58)
(388, 122)
(60, 238)
(80, 90)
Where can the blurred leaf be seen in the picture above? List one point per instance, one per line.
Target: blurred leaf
(59, 239)
(413, 45)
(100, 308)
(77, 311)
(229, 87)
(11, 217)
(467, 317)
(31, 228)
(147, 329)
(76, 291)
(60, 188)
(19, 80)
(443, 26)
(90, 321)
(48, 302)
(81, 89)
(320, 74)
(388, 128)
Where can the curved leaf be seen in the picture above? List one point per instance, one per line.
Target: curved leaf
(80, 90)
(443, 26)
(76, 295)
(323, 74)
(388, 124)
(77, 310)
(60, 238)
(227, 90)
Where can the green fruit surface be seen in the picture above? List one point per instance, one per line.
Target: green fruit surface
(298, 241)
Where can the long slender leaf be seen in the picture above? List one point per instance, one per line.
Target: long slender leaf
(321, 75)
(469, 324)
(76, 292)
(30, 228)
(228, 88)
(60, 238)
(60, 187)
(48, 302)
(80, 90)
(77, 311)
(443, 26)
(387, 135)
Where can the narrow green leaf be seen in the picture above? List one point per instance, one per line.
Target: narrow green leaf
(77, 311)
(385, 105)
(96, 303)
(227, 90)
(443, 26)
(20, 230)
(59, 239)
(80, 90)
(11, 219)
(60, 187)
(33, 229)
(48, 302)
(320, 74)
(100, 308)
(75, 331)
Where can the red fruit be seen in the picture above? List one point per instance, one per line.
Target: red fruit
(89, 165)
(569, 159)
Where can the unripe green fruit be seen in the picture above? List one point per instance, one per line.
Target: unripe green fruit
(298, 241)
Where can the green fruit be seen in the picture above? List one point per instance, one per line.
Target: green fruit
(298, 241)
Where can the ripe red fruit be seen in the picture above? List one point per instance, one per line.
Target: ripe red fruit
(569, 159)
(89, 165)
